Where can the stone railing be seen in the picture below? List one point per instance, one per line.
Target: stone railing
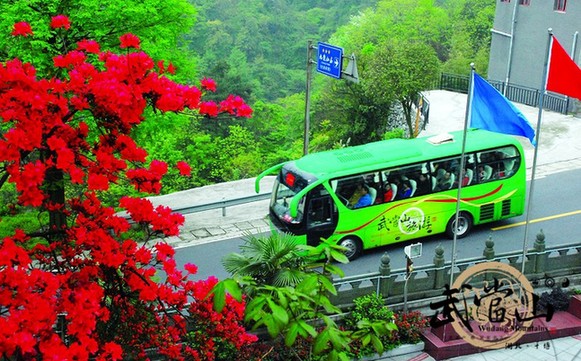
(427, 282)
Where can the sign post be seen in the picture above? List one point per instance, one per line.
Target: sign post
(411, 251)
(329, 62)
(310, 62)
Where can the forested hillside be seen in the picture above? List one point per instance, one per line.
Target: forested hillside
(257, 49)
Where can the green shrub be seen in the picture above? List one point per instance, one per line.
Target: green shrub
(26, 220)
(396, 133)
(368, 308)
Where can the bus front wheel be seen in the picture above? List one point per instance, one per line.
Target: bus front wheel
(463, 228)
(353, 247)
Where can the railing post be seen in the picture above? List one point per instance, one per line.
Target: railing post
(488, 249)
(488, 253)
(539, 249)
(384, 282)
(440, 272)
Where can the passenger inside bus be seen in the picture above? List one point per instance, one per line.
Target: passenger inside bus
(388, 193)
(424, 184)
(357, 193)
(405, 190)
(445, 182)
(466, 178)
(365, 199)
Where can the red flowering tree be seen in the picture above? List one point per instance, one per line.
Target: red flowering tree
(80, 287)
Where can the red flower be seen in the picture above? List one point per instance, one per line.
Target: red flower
(129, 41)
(184, 168)
(209, 109)
(22, 28)
(244, 111)
(209, 84)
(161, 67)
(89, 46)
(113, 351)
(60, 21)
(98, 182)
(191, 268)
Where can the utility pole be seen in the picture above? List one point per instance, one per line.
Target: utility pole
(310, 63)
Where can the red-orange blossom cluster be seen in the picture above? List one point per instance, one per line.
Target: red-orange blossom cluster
(78, 125)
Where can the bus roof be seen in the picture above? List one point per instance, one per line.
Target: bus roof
(395, 152)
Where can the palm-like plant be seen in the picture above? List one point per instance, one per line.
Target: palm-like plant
(275, 260)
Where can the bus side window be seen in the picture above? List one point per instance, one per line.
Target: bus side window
(350, 190)
(466, 174)
(510, 160)
(344, 188)
(498, 163)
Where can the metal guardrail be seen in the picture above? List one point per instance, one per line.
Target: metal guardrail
(214, 205)
(223, 204)
(515, 93)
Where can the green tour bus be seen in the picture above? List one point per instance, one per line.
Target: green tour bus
(396, 190)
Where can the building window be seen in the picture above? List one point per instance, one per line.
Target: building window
(524, 2)
(560, 5)
(504, 1)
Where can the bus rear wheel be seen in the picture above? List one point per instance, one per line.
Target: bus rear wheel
(353, 246)
(463, 228)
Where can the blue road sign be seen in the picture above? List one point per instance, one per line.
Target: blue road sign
(329, 60)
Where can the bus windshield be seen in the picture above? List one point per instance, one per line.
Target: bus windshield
(286, 186)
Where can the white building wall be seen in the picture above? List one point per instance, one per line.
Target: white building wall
(530, 39)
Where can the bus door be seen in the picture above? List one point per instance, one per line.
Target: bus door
(322, 216)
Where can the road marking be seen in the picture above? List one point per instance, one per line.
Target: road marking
(537, 220)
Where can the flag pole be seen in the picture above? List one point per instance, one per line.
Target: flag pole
(536, 150)
(462, 165)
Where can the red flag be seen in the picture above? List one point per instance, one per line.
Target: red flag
(564, 75)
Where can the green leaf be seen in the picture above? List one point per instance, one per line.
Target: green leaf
(282, 297)
(328, 306)
(278, 313)
(366, 339)
(338, 338)
(272, 326)
(309, 283)
(321, 342)
(339, 257)
(219, 292)
(291, 334)
(328, 285)
(377, 344)
(307, 328)
(233, 289)
(332, 355)
(335, 270)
